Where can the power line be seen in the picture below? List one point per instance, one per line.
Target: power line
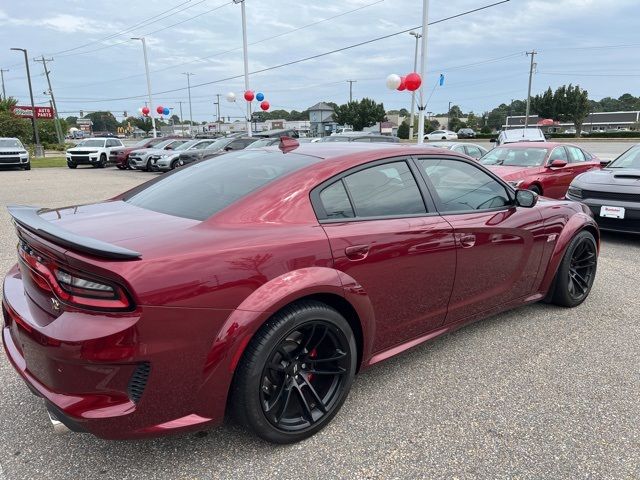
(312, 57)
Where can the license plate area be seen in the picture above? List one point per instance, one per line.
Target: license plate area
(612, 212)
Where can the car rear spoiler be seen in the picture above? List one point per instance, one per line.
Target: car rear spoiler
(30, 219)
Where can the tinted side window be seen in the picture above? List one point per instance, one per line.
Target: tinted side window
(575, 154)
(474, 151)
(461, 186)
(361, 139)
(335, 201)
(385, 190)
(559, 153)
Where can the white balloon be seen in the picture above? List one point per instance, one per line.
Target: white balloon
(393, 81)
(231, 97)
(140, 110)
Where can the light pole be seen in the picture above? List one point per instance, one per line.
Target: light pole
(449, 117)
(188, 74)
(413, 94)
(2, 70)
(39, 150)
(246, 61)
(423, 65)
(146, 67)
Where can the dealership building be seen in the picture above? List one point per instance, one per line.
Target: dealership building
(595, 122)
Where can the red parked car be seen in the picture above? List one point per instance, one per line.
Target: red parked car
(260, 282)
(120, 156)
(545, 168)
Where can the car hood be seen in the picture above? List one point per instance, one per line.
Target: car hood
(145, 151)
(512, 172)
(12, 149)
(620, 177)
(119, 223)
(83, 149)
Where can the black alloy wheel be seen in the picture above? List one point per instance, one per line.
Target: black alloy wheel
(103, 161)
(296, 373)
(577, 271)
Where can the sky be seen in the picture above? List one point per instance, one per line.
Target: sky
(96, 66)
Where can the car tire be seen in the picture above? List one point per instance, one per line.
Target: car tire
(103, 161)
(174, 164)
(27, 166)
(72, 165)
(444, 138)
(536, 189)
(576, 272)
(147, 168)
(276, 391)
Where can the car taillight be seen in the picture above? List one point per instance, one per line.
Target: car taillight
(73, 288)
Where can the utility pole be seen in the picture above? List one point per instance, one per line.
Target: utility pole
(533, 65)
(188, 74)
(34, 122)
(181, 124)
(449, 116)
(245, 56)
(53, 99)
(146, 68)
(423, 67)
(413, 94)
(2, 70)
(217, 104)
(351, 82)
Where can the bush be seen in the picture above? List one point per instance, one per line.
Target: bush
(485, 130)
(403, 130)
(623, 134)
(55, 146)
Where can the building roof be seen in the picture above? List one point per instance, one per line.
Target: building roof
(321, 106)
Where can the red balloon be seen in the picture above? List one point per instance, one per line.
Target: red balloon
(403, 85)
(145, 111)
(249, 95)
(160, 109)
(265, 105)
(413, 82)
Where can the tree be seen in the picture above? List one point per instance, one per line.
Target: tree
(573, 103)
(545, 105)
(103, 122)
(403, 130)
(12, 126)
(455, 112)
(71, 121)
(497, 117)
(359, 115)
(473, 121)
(175, 119)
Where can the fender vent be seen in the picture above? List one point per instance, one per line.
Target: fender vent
(138, 381)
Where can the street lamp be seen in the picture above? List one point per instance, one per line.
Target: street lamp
(39, 150)
(188, 74)
(146, 67)
(246, 61)
(413, 94)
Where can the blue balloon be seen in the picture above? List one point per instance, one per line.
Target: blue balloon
(260, 96)
(166, 111)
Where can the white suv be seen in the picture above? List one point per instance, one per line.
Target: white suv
(12, 152)
(92, 151)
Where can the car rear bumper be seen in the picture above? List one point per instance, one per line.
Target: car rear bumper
(117, 376)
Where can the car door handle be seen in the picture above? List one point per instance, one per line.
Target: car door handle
(467, 240)
(356, 252)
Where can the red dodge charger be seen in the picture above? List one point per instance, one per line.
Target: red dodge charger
(260, 282)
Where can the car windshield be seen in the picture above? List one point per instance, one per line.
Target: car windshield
(91, 143)
(515, 157)
(629, 159)
(141, 143)
(163, 144)
(10, 143)
(205, 188)
(186, 145)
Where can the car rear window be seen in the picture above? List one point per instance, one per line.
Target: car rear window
(203, 189)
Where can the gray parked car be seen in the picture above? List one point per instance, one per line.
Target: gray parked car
(165, 161)
(470, 149)
(360, 137)
(141, 159)
(13, 153)
(219, 147)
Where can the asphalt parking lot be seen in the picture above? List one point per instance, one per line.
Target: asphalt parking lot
(539, 392)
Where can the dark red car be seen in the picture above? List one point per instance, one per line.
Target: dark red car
(260, 282)
(545, 168)
(120, 156)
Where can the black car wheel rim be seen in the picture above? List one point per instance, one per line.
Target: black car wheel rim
(582, 269)
(304, 376)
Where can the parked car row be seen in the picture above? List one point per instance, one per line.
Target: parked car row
(13, 153)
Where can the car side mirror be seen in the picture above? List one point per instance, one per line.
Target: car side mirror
(493, 140)
(558, 163)
(604, 163)
(526, 198)
(168, 147)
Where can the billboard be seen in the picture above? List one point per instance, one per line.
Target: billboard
(26, 112)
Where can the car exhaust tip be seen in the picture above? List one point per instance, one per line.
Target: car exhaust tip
(59, 428)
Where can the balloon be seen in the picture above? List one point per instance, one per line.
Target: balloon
(160, 109)
(265, 105)
(231, 97)
(413, 82)
(248, 95)
(403, 86)
(145, 111)
(393, 81)
(260, 96)
(166, 111)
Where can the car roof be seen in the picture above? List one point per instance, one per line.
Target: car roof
(330, 150)
(547, 145)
